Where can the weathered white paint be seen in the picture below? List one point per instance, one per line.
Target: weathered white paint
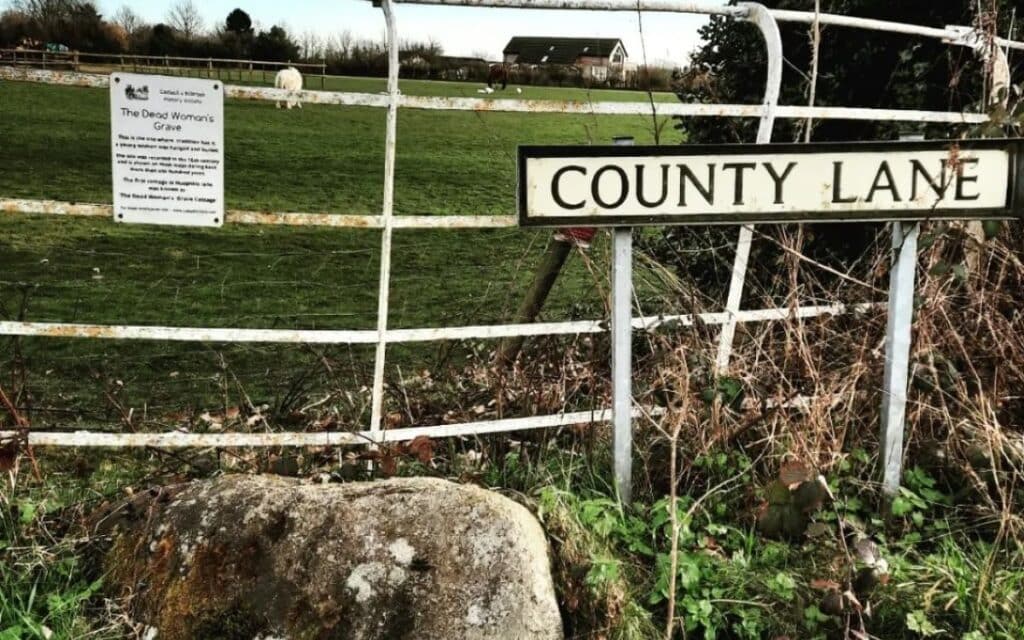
(773, 41)
(472, 332)
(622, 361)
(949, 34)
(283, 218)
(897, 351)
(183, 439)
(384, 288)
(531, 106)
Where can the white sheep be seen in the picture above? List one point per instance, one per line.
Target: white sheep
(290, 80)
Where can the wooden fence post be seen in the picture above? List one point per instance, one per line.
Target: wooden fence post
(547, 273)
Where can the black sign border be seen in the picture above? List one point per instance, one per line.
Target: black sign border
(1014, 197)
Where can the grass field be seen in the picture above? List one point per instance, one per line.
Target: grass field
(320, 158)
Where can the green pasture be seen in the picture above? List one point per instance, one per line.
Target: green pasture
(55, 143)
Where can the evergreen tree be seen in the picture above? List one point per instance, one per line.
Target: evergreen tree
(238, 22)
(857, 68)
(275, 45)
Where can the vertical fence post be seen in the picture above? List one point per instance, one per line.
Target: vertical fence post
(897, 351)
(764, 21)
(622, 356)
(387, 210)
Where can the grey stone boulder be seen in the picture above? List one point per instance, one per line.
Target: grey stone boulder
(247, 557)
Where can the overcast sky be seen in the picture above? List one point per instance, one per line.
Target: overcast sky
(462, 31)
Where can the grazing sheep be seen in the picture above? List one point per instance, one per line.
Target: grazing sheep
(291, 80)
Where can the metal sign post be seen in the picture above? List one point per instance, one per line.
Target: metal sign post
(622, 360)
(897, 351)
(622, 355)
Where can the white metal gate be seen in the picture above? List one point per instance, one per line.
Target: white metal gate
(387, 222)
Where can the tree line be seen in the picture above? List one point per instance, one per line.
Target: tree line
(78, 25)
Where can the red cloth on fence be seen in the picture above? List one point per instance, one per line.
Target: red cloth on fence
(579, 236)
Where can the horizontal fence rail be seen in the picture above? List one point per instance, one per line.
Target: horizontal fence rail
(369, 336)
(78, 56)
(350, 99)
(182, 439)
(282, 218)
(950, 35)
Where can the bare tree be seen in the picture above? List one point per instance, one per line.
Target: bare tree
(311, 45)
(128, 20)
(343, 43)
(48, 15)
(184, 16)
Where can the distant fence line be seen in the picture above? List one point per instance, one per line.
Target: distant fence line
(236, 68)
(221, 68)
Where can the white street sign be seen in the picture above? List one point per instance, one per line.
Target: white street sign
(167, 150)
(777, 183)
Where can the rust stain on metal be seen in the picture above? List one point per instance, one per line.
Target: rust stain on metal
(55, 207)
(298, 219)
(77, 331)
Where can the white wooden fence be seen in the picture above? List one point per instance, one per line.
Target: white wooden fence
(387, 222)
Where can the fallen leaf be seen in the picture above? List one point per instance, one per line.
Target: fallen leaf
(825, 584)
(422, 448)
(388, 464)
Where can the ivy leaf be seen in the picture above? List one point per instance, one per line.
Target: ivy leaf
(901, 506)
(919, 622)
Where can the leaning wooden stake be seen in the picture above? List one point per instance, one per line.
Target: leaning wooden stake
(550, 266)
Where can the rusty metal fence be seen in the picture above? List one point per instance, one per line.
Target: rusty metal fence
(387, 222)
